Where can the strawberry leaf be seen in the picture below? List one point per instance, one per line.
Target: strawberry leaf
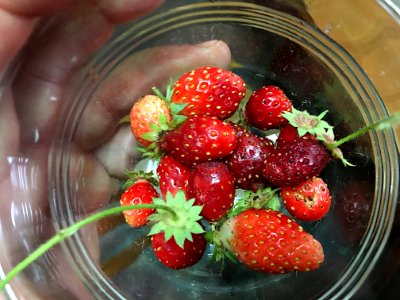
(133, 176)
(176, 108)
(263, 198)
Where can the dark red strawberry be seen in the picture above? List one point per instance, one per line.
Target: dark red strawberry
(141, 192)
(288, 134)
(212, 186)
(265, 106)
(308, 201)
(173, 256)
(239, 129)
(268, 241)
(173, 176)
(209, 91)
(293, 163)
(247, 161)
(200, 139)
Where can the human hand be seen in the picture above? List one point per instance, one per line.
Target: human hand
(32, 92)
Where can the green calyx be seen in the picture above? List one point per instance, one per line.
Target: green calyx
(182, 224)
(175, 108)
(134, 176)
(157, 130)
(307, 123)
(262, 198)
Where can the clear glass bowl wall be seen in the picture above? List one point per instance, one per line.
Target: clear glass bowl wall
(268, 46)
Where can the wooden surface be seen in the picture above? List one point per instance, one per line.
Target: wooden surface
(371, 36)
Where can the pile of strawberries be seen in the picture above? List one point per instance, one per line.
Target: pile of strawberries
(221, 179)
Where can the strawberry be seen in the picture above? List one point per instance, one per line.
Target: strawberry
(141, 192)
(173, 256)
(288, 134)
(239, 129)
(212, 186)
(209, 91)
(199, 139)
(146, 114)
(265, 107)
(177, 234)
(309, 201)
(292, 163)
(173, 176)
(247, 161)
(268, 241)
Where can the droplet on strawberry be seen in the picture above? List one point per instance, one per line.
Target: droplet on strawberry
(212, 186)
(247, 161)
(268, 241)
(265, 107)
(199, 139)
(173, 256)
(308, 201)
(141, 192)
(209, 91)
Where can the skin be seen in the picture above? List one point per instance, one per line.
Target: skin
(30, 98)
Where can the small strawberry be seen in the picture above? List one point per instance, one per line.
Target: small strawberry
(212, 186)
(199, 139)
(177, 234)
(148, 113)
(309, 201)
(265, 107)
(173, 256)
(247, 161)
(173, 176)
(209, 91)
(141, 192)
(293, 163)
(268, 241)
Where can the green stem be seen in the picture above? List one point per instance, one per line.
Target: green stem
(380, 125)
(67, 232)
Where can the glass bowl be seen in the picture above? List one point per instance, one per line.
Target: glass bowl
(268, 44)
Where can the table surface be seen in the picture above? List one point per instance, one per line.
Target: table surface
(372, 37)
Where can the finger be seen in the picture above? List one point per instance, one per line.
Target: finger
(17, 19)
(90, 185)
(52, 57)
(118, 11)
(9, 129)
(135, 77)
(119, 153)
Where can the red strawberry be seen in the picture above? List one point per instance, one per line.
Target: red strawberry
(265, 106)
(209, 91)
(173, 256)
(247, 161)
(268, 241)
(212, 186)
(293, 163)
(148, 110)
(239, 129)
(173, 176)
(199, 139)
(141, 192)
(309, 201)
(288, 134)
